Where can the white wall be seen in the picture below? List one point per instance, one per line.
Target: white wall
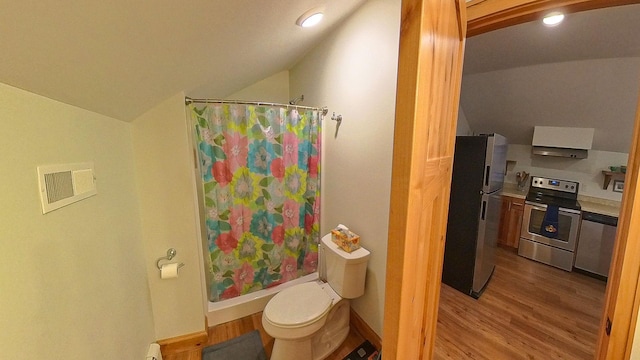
(166, 184)
(462, 127)
(588, 172)
(596, 93)
(274, 89)
(353, 72)
(73, 281)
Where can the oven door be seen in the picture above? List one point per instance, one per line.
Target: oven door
(568, 223)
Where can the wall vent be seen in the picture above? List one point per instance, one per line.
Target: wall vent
(61, 185)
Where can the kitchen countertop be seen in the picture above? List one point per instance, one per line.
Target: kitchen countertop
(599, 206)
(510, 189)
(588, 203)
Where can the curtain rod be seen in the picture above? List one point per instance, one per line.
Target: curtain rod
(188, 101)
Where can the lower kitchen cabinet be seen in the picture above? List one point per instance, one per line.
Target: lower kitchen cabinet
(510, 221)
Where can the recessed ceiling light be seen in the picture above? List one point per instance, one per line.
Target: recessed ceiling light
(310, 18)
(553, 19)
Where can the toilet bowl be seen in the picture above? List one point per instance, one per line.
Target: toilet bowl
(309, 321)
(296, 330)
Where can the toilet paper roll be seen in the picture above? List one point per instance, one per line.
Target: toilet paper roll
(169, 271)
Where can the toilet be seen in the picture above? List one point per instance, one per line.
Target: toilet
(309, 321)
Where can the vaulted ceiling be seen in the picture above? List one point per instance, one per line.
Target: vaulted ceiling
(584, 72)
(120, 58)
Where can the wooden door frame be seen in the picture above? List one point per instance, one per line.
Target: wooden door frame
(488, 15)
(623, 288)
(432, 34)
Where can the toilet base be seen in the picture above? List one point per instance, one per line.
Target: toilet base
(322, 343)
(291, 349)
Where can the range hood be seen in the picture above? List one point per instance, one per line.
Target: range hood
(560, 152)
(562, 141)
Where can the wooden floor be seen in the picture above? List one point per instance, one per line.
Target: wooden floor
(528, 311)
(220, 333)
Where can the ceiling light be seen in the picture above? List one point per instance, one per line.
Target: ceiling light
(553, 19)
(310, 18)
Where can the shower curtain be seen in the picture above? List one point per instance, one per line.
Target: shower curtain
(260, 168)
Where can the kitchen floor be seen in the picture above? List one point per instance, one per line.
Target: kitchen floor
(528, 311)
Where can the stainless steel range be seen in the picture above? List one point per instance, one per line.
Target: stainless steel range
(552, 244)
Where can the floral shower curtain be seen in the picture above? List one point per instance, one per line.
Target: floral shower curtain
(260, 169)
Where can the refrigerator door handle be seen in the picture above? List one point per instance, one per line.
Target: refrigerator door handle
(484, 210)
(487, 174)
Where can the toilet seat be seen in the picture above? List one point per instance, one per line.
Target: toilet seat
(298, 306)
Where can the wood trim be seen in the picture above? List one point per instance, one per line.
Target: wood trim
(429, 74)
(183, 343)
(489, 15)
(461, 10)
(635, 308)
(401, 171)
(364, 329)
(474, 2)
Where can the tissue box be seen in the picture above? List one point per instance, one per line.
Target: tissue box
(346, 242)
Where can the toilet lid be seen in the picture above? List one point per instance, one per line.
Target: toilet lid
(298, 305)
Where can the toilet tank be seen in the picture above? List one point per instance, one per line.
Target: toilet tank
(345, 271)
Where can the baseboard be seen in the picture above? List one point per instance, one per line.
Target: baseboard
(184, 342)
(364, 329)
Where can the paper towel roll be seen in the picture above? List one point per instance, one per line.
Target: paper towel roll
(169, 271)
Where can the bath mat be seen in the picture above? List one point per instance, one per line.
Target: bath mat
(366, 351)
(245, 347)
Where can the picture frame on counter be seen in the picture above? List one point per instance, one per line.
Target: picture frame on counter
(618, 186)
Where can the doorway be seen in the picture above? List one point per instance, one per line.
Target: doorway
(621, 305)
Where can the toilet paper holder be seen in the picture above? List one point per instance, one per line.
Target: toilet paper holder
(171, 253)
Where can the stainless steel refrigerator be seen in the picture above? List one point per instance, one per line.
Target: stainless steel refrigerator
(479, 166)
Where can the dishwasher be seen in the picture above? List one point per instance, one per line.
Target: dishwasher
(595, 244)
